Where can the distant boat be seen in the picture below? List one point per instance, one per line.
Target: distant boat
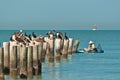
(94, 27)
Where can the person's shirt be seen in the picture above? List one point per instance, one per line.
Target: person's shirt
(91, 46)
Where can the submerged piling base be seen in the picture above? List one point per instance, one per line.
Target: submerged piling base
(30, 74)
(51, 59)
(23, 76)
(64, 56)
(35, 70)
(43, 60)
(57, 58)
(70, 53)
(6, 70)
(1, 76)
(13, 72)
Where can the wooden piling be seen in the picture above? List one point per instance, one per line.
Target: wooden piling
(70, 46)
(50, 50)
(44, 51)
(23, 62)
(19, 50)
(30, 61)
(51, 57)
(35, 60)
(76, 44)
(6, 57)
(1, 64)
(40, 49)
(58, 49)
(65, 48)
(61, 45)
(13, 61)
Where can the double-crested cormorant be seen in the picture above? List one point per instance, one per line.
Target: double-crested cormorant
(29, 37)
(26, 34)
(65, 36)
(60, 35)
(34, 35)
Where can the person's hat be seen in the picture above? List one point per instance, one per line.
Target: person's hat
(91, 42)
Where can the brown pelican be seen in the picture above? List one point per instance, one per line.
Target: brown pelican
(20, 37)
(50, 35)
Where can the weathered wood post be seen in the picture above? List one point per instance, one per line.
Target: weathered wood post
(44, 51)
(37, 48)
(61, 44)
(70, 46)
(19, 50)
(40, 49)
(6, 57)
(30, 61)
(1, 64)
(14, 43)
(65, 49)
(76, 44)
(23, 62)
(35, 60)
(51, 57)
(50, 50)
(58, 49)
(13, 61)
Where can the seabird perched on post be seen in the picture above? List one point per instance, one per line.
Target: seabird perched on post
(26, 34)
(65, 36)
(34, 35)
(29, 37)
(59, 34)
(21, 30)
(50, 35)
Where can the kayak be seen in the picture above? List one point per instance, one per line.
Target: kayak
(96, 50)
(90, 51)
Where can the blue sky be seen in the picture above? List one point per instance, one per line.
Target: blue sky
(60, 14)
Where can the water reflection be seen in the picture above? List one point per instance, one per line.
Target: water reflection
(51, 71)
(57, 71)
(70, 59)
(39, 77)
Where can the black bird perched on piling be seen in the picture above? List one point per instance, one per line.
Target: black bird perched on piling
(29, 37)
(34, 35)
(26, 34)
(65, 36)
(59, 34)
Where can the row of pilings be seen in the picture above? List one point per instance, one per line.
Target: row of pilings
(26, 61)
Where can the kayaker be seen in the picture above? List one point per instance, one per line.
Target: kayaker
(91, 45)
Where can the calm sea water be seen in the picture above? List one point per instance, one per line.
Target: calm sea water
(105, 66)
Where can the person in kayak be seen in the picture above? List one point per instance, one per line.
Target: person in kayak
(90, 47)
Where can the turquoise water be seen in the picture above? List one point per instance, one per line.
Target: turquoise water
(105, 66)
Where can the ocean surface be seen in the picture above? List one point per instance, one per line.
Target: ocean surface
(98, 66)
